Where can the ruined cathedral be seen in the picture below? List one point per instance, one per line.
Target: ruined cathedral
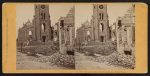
(98, 28)
(39, 30)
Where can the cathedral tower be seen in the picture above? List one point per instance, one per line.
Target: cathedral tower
(42, 23)
(100, 23)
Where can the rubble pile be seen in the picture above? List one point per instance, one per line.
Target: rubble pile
(59, 59)
(100, 59)
(40, 49)
(42, 59)
(63, 60)
(30, 50)
(46, 50)
(104, 49)
(122, 60)
(115, 58)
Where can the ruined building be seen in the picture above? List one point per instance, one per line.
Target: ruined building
(39, 30)
(64, 31)
(98, 28)
(125, 28)
(84, 33)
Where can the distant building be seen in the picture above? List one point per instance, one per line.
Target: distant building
(125, 29)
(84, 33)
(26, 32)
(39, 30)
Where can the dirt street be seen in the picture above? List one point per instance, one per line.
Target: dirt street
(29, 62)
(82, 62)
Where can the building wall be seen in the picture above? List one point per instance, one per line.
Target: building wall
(23, 33)
(84, 33)
(66, 29)
(126, 32)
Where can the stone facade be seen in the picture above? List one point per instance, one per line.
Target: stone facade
(66, 30)
(100, 23)
(67, 27)
(84, 33)
(25, 33)
(39, 30)
(125, 28)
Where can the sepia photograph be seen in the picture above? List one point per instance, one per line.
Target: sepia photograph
(75, 38)
(94, 36)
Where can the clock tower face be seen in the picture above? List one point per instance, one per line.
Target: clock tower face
(42, 6)
(101, 6)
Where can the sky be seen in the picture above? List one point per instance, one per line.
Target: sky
(83, 12)
(114, 11)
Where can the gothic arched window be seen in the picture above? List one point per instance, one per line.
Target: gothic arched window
(43, 27)
(101, 27)
(30, 32)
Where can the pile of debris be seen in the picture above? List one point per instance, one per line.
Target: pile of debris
(58, 59)
(46, 50)
(127, 61)
(63, 60)
(40, 49)
(103, 49)
(122, 60)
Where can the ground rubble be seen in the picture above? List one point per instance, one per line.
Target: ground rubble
(59, 59)
(115, 59)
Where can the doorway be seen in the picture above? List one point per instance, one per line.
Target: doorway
(102, 38)
(43, 38)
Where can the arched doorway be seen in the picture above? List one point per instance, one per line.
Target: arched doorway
(102, 27)
(43, 38)
(30, 35)
(102, 38)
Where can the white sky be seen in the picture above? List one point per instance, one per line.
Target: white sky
(83, 12)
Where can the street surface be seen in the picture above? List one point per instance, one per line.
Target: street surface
(83, 62)
(30, 62)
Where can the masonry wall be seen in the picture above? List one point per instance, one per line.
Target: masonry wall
(126, 32)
